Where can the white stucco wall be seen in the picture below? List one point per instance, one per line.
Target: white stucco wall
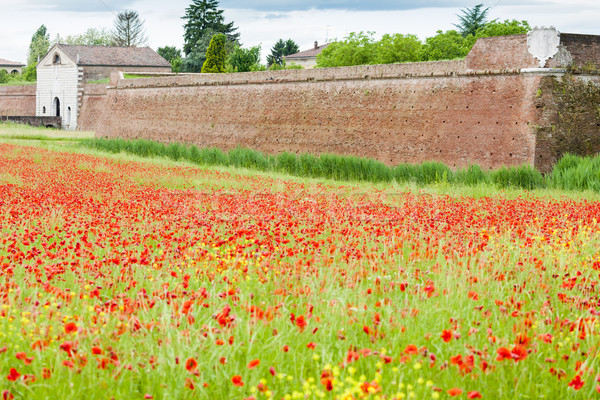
(306, 62)
(58, 81)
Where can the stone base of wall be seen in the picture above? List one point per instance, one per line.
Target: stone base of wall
(48, 122)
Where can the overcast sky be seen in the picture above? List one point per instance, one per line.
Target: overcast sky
(264, 22)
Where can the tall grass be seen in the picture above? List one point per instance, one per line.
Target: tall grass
(570, 173)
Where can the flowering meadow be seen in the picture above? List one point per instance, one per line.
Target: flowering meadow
(134, 280)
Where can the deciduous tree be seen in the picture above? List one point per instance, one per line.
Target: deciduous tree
(91, 37)
(447, 45)
(244, 60)
(507, 27)
(40, 43)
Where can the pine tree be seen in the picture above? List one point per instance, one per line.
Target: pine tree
(216, 56)
(472, 20)
(201, 16)
(129, 29)
(280, 50)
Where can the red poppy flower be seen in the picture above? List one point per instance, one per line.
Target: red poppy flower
(70, 327)
(237, 381)
(446, 335)
(13, 375)
(576, 383)
(191, 364)
(474, 395)
(301, 322)
(23, 357)
(6, 395)
(411, 349)
(253, 364)
(189, 383)
(455, 392)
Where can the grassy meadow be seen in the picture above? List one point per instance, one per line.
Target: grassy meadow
(140, 275)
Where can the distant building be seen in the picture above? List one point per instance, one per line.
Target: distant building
(11, 67)
(306, 58)
(65, 69)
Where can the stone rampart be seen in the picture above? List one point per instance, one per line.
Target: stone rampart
(47, 122)
(17, 100)
(513, 100)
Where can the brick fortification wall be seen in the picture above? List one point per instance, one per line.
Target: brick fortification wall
(485, 109)
(17, 100)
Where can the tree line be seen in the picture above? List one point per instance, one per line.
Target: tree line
(361, 48)
(212, 44)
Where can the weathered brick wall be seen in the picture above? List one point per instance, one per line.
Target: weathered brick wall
(569, 120)
(17, 100)
(585, 49)
(395, 113)
(93, 106)
(501, 52)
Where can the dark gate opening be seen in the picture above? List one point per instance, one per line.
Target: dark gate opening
(57, 106)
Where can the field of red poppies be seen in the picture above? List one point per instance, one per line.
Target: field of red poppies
(134, 280)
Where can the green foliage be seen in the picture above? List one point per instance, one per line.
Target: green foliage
(173, 55)
(129, 30)
(576, 173)
(357, 49)
(4, 76)
(281, 49)
(362, 48)
(472, 20)
(244, 60)
(194, 61)
(447, 45)
(432, 172)
(40, 43)
(507, 27)
(91, 37)
(169, 53)
(472, 175)
(524, 176)
(29, 73)
(398, 49)
(202, 16)
(216, 55)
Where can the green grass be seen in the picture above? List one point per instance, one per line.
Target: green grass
(574, 173)
(105, 80)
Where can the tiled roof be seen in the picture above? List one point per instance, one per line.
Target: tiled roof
(115, 56)
(309, 53)
(7, 63)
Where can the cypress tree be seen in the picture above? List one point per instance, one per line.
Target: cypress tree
(216, 55)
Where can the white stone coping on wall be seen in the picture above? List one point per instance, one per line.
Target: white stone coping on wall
(544, 71)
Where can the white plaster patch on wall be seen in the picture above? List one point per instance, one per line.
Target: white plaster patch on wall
(543, 44)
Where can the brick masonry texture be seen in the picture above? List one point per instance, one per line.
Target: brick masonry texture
(454, 119)
(495, 108)
(17, 100)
